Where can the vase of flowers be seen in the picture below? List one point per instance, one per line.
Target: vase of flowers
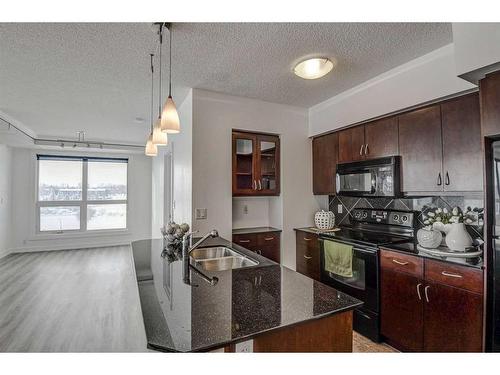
(452, 223)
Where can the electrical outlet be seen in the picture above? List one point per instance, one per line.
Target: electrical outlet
(201, 214)
(244, 347)
(245, 209)
(339, 208)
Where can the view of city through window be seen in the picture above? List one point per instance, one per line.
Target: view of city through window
(65, 202)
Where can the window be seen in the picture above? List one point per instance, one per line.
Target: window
(81, 193)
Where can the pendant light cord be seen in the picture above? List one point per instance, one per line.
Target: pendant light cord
(159, 88)
(152, 89)
(170, 62)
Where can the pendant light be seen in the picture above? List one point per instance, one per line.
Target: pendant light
(151, 149)
(169, 116)
(159, 137)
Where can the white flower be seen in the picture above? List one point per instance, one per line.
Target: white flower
(468, 221)
(455, 211)
(427, 222)
(445, 210)
(438, 219)
(438, 211)
(431, 214)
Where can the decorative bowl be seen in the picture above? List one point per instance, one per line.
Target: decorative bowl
(429, 238)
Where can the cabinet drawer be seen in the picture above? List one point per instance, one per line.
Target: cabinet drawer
(454, 275)
(307, 239)
(268, 239)
(410, 264)
(248, 241)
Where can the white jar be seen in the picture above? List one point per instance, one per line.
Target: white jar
(324, 220)
(457, 238)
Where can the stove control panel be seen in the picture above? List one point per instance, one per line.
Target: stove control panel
(403, 218)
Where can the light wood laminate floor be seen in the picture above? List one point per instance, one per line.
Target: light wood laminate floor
(70, 301)
(362, 344)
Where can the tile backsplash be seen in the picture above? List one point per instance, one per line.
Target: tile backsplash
(421, 204)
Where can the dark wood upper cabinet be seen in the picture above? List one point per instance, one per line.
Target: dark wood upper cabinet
(462, 161)
(351, 144)
(420, 146)
(402, 314)
(256, 164)
(381, 138)
(453, 319)
(325, 155)
(489, 88)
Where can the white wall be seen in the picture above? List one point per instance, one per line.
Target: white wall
(214, 116)
(182, 150)
(477, 49)
(427, 78)
(24, 197)
(5, 198)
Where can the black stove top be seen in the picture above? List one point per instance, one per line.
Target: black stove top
(364, 237)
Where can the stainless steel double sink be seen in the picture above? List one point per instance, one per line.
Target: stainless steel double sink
(220, 258)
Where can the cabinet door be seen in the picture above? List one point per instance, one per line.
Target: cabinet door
(307, 255)
(489, 89)
(401, 310)
(325, 155)
(351, 144)
(248, 241)
(462, 157)
(244, 164)
(421, 150)
(268, 165)
(268, 245)
(381, 138)
(453, 319)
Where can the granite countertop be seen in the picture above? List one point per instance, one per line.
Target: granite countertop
(255, 230)
(411, 248)
(198, 316)
(309, 230)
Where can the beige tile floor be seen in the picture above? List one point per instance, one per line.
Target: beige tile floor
(361, 344)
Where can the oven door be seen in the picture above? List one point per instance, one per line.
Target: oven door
(364, 283)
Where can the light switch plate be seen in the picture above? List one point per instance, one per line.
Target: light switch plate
(339, 208)
(201, 214)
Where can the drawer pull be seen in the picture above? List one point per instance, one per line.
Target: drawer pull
(444, 273)
(307, 239)
(399, 262)
(305, 256)
(244, 241)
(268, 238)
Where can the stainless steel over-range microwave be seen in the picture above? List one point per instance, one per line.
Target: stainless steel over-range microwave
(370, 178)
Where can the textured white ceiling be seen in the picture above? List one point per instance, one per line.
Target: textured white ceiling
(60, 78)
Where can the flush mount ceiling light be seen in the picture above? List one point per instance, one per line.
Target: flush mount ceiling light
(313, 68)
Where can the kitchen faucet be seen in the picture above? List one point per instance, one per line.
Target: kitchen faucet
(186, 251)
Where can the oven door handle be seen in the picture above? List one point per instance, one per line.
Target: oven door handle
(355, 247)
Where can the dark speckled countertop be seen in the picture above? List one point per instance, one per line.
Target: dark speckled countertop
(255, 230)
(244, 303)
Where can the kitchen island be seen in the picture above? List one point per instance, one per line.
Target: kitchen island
(198, 310)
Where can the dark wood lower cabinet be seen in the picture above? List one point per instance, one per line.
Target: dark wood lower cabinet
(453, 319)
(307, 258)
(267, 244)
(402, 314)
(437, 310)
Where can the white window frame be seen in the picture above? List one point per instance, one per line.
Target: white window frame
(83, 203)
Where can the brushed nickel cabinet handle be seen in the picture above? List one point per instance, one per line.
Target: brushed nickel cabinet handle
(426, 293)
(399, 262)
(444, 273)
(439, 180)
(418, 291)
(361, 150)
(366, 149)
(268, 238)
(307, 239)
(254, 185)
(447, 179)
(244, 241)
(305, 256)
(260, 185)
